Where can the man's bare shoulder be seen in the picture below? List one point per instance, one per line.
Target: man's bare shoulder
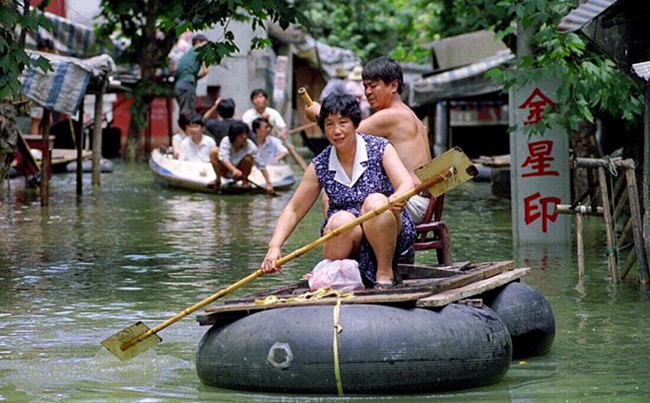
(384, 122)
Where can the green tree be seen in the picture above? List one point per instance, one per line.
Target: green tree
(151, 27)
(593, 84)
(14, 16)
(373, 29)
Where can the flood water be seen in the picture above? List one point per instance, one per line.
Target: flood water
(75, 273)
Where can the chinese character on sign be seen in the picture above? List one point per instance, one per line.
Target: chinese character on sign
(534, 211)
(536, 103)
(539, 157)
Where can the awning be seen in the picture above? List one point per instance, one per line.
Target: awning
(458, 83)
(582, 15)
(617, 28)
(642, 70)
(62, 89)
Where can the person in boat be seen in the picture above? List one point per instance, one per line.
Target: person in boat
(393, 120)
(237, 154)
(178, 138)
(359, 173)
(260, 109)
(197, 147)
(270, 149)
(218, 128)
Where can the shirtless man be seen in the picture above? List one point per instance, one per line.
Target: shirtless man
(383, 82)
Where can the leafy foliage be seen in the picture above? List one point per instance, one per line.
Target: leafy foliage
(374, 28)
(14, 59)
(593, 84)
(404, 28)
(152, 27)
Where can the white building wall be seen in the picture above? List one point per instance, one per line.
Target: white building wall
(241, 73)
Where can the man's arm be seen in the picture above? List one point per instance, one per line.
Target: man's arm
(210, 111)
(203, 71)
(381, 123)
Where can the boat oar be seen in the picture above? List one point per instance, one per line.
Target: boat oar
(138, 338)
(255, 185)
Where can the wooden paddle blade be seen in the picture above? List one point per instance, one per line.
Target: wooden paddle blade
(456, 158)
(115, 342)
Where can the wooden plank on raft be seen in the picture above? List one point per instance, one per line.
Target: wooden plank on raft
(414, 271)
(411, 291)
(447, 297)
(225, 312)
(487, 271)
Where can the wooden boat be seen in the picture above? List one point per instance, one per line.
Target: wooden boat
(434, 332)
(197, 175)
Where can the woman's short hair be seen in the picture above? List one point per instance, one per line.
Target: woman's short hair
(384, 69)
(226, 108)
(257, 123)
(236, 128)
(344, 104)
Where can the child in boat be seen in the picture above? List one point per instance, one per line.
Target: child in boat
(178, 138)
(270, 149)
(197, 147)
(237, 154)
(358, 173)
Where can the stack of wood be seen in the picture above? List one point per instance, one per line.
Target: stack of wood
(423, 287)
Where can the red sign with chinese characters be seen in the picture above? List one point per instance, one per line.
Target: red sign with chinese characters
(539, 159)
(545, 208)
(536, 103)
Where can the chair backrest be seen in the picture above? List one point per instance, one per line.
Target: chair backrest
(434, 210)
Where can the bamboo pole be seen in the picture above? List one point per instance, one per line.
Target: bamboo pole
(45, 157)
(627, 265)
(625, 233)
(97, 134)
(579, 209)
(580, 247)
(603, 163)
(611, 255)
(635, 209)
(79, 141)
(297, 253)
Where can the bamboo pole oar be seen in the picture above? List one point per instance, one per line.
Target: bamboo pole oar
(303, 127)
(138, 338)
(304, 95)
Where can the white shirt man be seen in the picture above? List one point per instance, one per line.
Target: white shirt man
(271, 149)
(191, 151)
(228, 153)
(260, 109)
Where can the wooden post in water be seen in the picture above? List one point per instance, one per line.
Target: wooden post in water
(79, 143)
(635, 210)
(607, 215)
(580, 244)
(45, 157)
(97, 134)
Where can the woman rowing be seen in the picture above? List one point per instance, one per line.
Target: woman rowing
(359, 173)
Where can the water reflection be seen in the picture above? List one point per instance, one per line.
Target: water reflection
(76, 272)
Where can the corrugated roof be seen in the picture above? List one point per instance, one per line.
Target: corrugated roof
(642, 70)
(582, 15)
(448, 85)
